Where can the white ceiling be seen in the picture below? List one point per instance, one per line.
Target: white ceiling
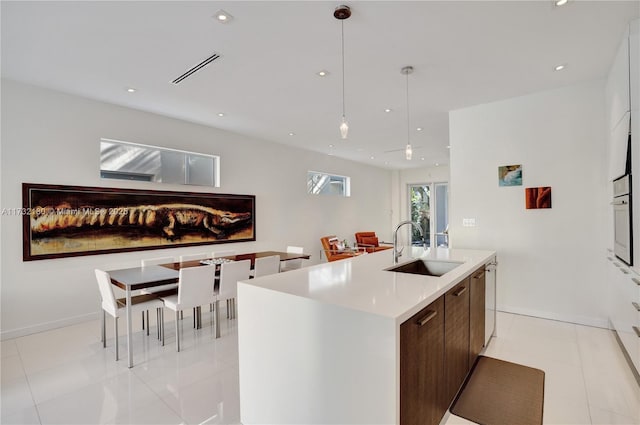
(464, 53)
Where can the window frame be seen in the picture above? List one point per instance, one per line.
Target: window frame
(345, 191)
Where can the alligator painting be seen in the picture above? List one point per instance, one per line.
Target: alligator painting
(66, 221)
(170, 220)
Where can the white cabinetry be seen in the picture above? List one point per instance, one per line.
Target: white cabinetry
(634, 65)
(622, 92)
(617, 87)
(622, 98)
(618, 142)
(624, 287)
(634, 69)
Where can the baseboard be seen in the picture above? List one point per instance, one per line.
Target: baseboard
(579, 320)
(29, 330)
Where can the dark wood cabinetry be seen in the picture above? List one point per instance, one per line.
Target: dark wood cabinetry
(422, 366)
(438, 346)
(456, 331)
(477, 291)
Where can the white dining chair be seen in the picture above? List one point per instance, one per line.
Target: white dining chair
(156, 261)
(146, 262)
(193, 257)
(195, 288)
(230, 274)
(117, 307)
(163, 290)
(264, 266)
(286, 266)
(218, 254)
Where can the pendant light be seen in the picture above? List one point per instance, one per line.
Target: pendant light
(341, 13)
(408, 152)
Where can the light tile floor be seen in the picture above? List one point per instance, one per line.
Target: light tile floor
(64, 376)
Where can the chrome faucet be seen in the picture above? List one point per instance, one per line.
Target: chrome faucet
(396, 253)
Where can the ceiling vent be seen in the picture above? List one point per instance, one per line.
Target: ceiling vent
(196, 68)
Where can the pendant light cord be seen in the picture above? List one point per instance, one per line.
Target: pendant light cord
(408, 126)
(343, 107)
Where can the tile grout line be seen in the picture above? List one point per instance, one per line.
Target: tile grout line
(584, 379)
(26, 378)
(120, 369)
(158, 396)
(508, 327)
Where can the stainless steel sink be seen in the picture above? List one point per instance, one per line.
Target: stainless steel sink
(426, 267)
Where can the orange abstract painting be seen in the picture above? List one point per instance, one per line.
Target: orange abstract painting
(538, 197)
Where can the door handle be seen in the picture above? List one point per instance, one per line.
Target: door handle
(636, 305)
(635, 328)
(430, 315)
(489, 267)
(460, 291)
(636, 281)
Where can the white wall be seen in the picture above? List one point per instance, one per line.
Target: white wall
(51, 137)
(551, 261)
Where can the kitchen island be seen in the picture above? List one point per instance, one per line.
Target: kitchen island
(323, 344)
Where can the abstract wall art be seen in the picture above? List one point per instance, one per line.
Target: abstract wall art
(537, 197)
(510, 175)
(64, 221)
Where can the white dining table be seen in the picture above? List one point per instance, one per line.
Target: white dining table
(136, 278)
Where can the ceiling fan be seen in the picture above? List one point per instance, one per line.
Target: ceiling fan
(415, 148)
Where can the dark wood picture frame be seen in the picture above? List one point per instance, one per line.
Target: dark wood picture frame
(68, 221)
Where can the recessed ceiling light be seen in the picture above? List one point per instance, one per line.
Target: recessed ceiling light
(223, 17)
(422, 159)
(221, 114)
(386, 163)
(560, 2)
(448, 146)
(388, 110)
(330, 146)
(437, 164)
(131, 90)
(559, 67)
(292, 134)
(372, 157)
(419, 128)
(322, 73)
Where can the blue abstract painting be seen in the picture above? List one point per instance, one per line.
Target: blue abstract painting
(510, 175)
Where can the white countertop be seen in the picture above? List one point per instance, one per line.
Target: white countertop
(361, 283)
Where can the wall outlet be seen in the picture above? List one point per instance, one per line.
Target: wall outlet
(468, 222)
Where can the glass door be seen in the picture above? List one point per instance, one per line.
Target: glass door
(420, 212)
(442, 215)
(429, 207)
